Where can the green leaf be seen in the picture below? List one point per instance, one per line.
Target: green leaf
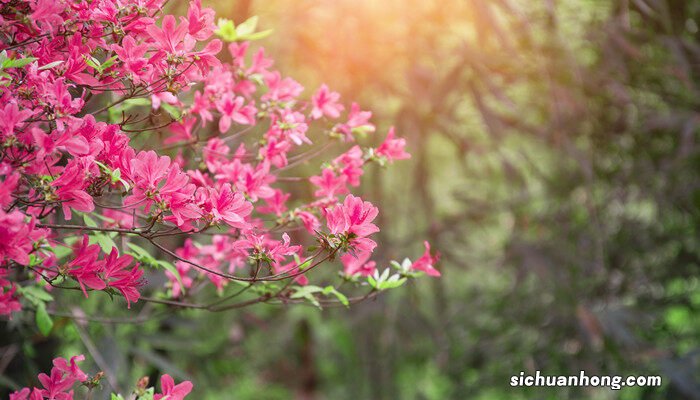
(259, 35)
(115, 112)
(61, 251)
(19, 63)
(50, 65)
(171, 268)
(392, 283)
(303, 291)
(245, 31)
(138, 101)
(141, 253)
(248, 26)
(108, 63)
(126, 185)
(105, 241)
(36, 295)
(307, 292)
(43, 320)
(148, 395)
(174, 112)
(116, 397)
(93, 62)
(12, 63)
(116, 175)
(341, 297)
(3, 58)
(304, 265)
(89, 221)
(362, 130)
(372, 282)
(227, 30)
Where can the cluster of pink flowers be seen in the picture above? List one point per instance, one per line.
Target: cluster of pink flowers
(84, 82)
(114, 271)
(60, 384)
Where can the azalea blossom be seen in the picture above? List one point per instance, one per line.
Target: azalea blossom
(354, 216)
(426, 262)
(329, 185)
(171, 391)
(120, 155)
(325, 103)
(232, 109)
(393, 148)
(358, 263)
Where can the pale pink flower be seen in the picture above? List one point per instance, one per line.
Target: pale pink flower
(393, 148)
(325, 102)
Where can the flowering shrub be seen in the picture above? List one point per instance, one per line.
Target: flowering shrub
(66, 374)
(128, 146)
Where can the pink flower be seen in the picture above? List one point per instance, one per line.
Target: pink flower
(329, 184)
(119, 219)
(325, 103)
(354, 216)
(70, 186)
(46, 14)
(118, 275)
(200, 106)
(27, 394)
(147, 170)
(55, 386)
(276, 152)
(181, 131)
(238, 52)
(177, 193)
(10, 117)
(276, 251)
(8, 302)
(281, 90)
(358, 121)
(15, 237)
(215, 153)
(158, 180)
(275, 204)
(309, 220)
(393, 149)
(426, 261)
(229, 207)
(170, 391)
(260, 63)
(200, 21)
(350, 165)
(58, 94)
(169, 38)
(337, 220)
(292, 126)
(361, 214)
(358, 263)
(85, 268)
(7, 187)
(72, 369)
(132, 55)
(255, 181)
(232, 109)
(158, 98)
